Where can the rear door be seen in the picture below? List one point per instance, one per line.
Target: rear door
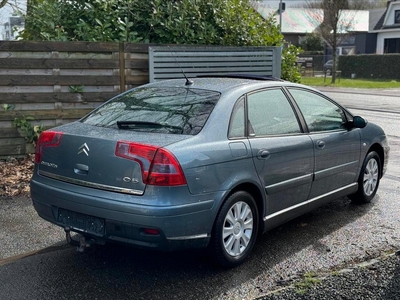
(337, 148)
(282, 153)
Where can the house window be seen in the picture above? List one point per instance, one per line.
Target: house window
(397, 17)
(392, 45)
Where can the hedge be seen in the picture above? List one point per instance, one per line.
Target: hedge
(374, 66)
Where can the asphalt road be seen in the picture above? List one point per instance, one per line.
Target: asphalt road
(333, 237)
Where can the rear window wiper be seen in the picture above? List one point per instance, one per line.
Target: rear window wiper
(141, 124)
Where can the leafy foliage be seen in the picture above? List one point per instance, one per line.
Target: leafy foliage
(290, 70)
(6, 106)
(78, 20)
(29, 131)
(76, 88)
(217, 22)
(312, 42)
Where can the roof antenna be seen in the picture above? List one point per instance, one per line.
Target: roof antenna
(188, 81)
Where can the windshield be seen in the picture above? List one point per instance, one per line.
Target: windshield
(150, 109)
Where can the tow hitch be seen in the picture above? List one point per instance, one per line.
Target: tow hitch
(80, 244)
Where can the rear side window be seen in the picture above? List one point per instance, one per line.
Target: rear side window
(150, 109)
(236, 128)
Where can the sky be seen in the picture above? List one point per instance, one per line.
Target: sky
(6, 11)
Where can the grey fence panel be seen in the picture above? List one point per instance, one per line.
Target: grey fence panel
(170, 62)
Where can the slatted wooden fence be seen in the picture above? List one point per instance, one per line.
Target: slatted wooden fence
(58, 82)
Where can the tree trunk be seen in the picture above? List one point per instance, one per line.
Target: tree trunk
(334, 58)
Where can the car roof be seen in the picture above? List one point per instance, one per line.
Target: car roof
(223, 83)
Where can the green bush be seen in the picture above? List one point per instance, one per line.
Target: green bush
(217, 22)
(290, 69)
(190, 22)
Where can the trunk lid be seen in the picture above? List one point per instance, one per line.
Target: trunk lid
(86, 156)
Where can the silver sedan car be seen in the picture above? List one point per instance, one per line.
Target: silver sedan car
(208, 162)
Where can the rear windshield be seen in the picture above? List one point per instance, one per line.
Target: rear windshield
(150, 109)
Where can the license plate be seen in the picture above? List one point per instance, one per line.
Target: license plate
(81, 222)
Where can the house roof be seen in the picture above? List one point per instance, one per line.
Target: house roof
(376, 18)
(294, 20)
(303, 20)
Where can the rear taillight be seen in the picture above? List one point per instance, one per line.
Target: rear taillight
(158, 165)
(47, 139)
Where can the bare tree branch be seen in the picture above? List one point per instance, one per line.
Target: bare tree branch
(17, 6)
(3, 3)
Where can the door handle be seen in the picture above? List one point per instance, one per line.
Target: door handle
(320, 144)
(263, 154)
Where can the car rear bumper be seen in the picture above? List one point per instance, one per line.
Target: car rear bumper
(178, 226)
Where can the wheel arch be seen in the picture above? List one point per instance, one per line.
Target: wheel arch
(379, 150)
(257, 195)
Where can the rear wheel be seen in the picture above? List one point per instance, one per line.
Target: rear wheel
(235, 229)
(368, 181)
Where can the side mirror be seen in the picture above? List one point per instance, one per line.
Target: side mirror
(359, 122)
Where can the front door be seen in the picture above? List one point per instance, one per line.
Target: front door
(282, 154)
(337, 148)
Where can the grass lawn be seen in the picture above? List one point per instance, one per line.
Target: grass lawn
(351, 83)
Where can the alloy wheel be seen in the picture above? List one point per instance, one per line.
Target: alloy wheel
(371, 175)
(238, 228)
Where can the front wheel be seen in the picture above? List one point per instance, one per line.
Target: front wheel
(235, 229)
(368, 181)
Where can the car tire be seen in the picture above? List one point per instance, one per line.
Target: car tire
(368, 180)
(235, 230)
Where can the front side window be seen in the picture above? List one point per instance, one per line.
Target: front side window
(319, 113)
(151, 109)
(270, 113)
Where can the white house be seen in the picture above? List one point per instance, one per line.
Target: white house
(388, 29)
(298, 22)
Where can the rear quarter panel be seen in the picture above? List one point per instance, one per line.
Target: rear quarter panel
(211, 162)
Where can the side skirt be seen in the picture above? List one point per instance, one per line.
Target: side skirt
(294, 211)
